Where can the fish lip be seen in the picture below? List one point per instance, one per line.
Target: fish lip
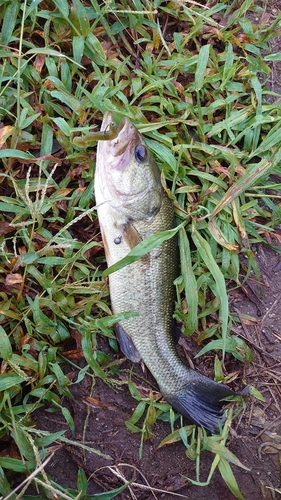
(108, 119)
(126, 136)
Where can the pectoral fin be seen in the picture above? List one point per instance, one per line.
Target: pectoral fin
(132, 237)
(129, 234)
(126, 344)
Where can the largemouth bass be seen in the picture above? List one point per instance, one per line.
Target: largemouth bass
(132, 205)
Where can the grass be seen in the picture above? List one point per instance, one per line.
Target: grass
(191, 78)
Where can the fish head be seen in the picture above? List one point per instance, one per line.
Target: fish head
(127, 176)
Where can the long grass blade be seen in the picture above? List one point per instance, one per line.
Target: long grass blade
(206, 255)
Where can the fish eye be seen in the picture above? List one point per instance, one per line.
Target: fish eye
(140, 153)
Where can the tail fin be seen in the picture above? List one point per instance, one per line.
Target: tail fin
(200, 401)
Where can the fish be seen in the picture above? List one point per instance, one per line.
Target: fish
(131, 206)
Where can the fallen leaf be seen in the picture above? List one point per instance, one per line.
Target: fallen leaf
(13, 279)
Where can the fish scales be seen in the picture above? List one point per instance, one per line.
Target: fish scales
(132, 205)
(146, 287)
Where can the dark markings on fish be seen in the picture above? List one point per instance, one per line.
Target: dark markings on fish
(158, 255)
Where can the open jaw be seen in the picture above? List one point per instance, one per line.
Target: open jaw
(127, 135)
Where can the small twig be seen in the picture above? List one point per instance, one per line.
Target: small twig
(257, 348)
(136, 11)
(198, 4)
(57, 494)
(268, 443)
(192, 2)
(257, 298)
(276, 365)
(270, 310)
(273, 375)
(274, 395)
(276, 334)
(268, 426)
(119, 474)
(250, 415)
(274, 489)
(247, 335)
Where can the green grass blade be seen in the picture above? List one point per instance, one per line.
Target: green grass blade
(206, 255)
(9, 21)
(63, 7)
(220, 237)
(16, 465)
(229, 478)
(8, 380)
(253, 173)
(6, 350)
(110, 494)
(80, 18)
(89, 354)
(190, 284)
(202, 63)
(15, 153)
(5, 488)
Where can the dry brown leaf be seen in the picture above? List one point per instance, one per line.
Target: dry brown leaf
(13, 279)
(39, 62)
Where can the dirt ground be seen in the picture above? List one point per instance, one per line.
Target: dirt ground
(256, 435)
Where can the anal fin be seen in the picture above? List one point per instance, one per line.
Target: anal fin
(175, 331)
(126, 344)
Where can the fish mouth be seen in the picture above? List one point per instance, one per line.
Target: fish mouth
(126, 135)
